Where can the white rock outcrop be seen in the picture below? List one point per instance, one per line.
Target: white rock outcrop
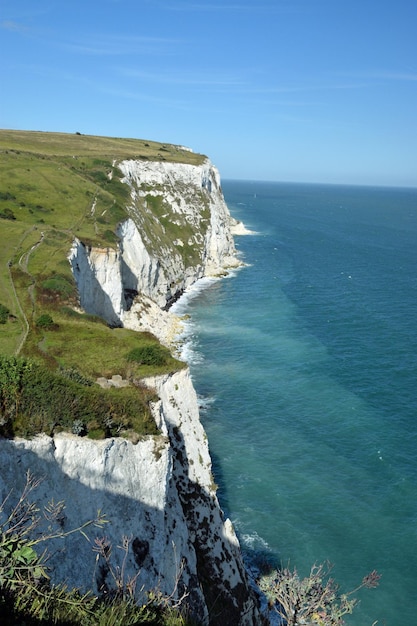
(132, 484)
(220, 568)
(158, 493)
(150, 262)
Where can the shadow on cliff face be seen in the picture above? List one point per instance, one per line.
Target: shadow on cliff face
(93, 298)
(159, 554)
(130, 284)
(180, 548)
(229, 597)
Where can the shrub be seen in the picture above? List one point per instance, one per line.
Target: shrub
(152, 354)
(78, 427)
(73, 374)
(12, 374)
(110, 236)
(96, 433)
(45, 321)
(7, 214)
(6, 195)
(34, 399)
(4, 314)
(314, 600)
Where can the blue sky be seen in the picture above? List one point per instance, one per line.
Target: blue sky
(288, 90)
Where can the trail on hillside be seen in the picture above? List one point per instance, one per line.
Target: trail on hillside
(23, 265)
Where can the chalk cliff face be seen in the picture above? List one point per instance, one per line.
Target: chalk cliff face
(179, 230)
(160, 491)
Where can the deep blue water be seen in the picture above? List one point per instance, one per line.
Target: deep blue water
(306, 364)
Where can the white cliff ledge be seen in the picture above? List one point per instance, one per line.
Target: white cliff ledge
(159, 492)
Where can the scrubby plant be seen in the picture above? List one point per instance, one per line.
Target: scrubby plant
(152, 354)
(4, 314)
(315, 600)
(12, 373)
(74, 374)
(34, 399)
(7, 214)
(45, 321)
(78, 427)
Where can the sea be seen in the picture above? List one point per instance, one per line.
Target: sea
(305, 364)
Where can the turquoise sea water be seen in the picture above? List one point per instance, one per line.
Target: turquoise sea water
(306, 364)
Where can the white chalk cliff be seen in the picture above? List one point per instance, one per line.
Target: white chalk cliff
(178, 230)
(159, 492)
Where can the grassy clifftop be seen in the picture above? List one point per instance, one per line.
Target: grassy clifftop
(64, 144)
(54, 187)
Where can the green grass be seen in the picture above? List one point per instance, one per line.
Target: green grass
(55, 187)
(63, 144)
(94, 349)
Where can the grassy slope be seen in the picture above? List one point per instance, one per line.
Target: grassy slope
(49, 183)
(53, 187)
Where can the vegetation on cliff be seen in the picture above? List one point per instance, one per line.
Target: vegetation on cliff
(55, 187)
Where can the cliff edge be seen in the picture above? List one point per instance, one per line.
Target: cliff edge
(158, 493)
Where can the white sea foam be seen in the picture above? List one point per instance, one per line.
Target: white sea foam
(205, 402)
(190, 354)
(253, 541)
(187, 338)
(180, 306)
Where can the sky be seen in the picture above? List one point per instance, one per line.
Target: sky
(286, 90)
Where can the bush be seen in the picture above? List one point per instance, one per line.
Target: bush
(7, 214)
(45, 321)
(6, 195)
(78, 427)
(12, 374)
(4, 314)
(152, 354)
(315, 599)
(34, 399)
(73, 374)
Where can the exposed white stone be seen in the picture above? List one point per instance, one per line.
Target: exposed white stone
(105, 275)
(158, 492)
(179, 404)
(132, 484)
(214, 540)
(97, 272)
(239, 228)
(146, 316)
